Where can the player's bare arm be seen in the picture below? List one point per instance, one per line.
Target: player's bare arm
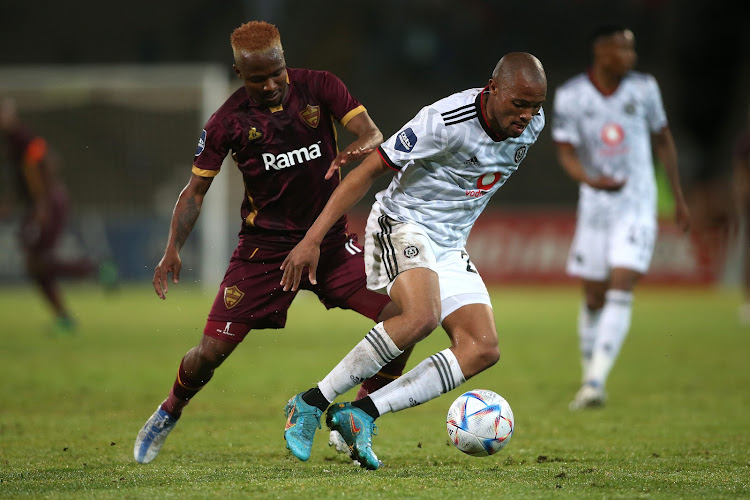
(352, 189)
(666, 151)
(368, 138)
(568, 158)
(185, 214)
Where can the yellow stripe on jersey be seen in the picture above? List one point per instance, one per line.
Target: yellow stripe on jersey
(205, 173)
(351, 114)
(250, 219)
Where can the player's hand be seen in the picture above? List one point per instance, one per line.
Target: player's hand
(606, 183)
(170, 263)
(353, 155)
(304, 255)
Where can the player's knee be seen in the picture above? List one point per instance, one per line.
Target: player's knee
(423, 324)
(419, 325)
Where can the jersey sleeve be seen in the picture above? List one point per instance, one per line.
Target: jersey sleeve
(423, 137)
(564, 128)
(655, 114)
(213, 146)
(336, 97)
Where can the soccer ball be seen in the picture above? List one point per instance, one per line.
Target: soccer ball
(480, 423)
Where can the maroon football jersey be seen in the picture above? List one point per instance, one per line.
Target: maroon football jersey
(25, 149)
(283, 153)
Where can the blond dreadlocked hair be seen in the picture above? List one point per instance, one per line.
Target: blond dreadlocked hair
(255, 36)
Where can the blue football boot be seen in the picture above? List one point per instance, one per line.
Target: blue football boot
(356, 427)
(302, 420)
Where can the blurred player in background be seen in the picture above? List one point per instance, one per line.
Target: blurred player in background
(45, 198)
(279, 129)
(741, 187)
(605, 123)
(449, 161)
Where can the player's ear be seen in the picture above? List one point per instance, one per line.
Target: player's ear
(237, 71)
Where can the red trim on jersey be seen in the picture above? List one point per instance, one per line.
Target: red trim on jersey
(590, 74)
(387, 160)
(486, 122)
(35, 151)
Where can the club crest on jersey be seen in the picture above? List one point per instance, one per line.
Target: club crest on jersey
(253, 134)
(406, 140)
(311, 115)
(612, 134)
(411, 251)
(232, 296)
(201, 143)
(520, 154)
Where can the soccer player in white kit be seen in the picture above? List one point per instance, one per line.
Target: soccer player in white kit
(605, 123)
(449, 160)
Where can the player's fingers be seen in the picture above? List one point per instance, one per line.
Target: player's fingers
(331, 170)
(297, 278)
(291, 278)
(311, 275)
(287, 278)
(285, 275)
(176, 274)
(159, 283)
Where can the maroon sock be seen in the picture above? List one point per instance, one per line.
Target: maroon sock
(182, 392)
(386, 375)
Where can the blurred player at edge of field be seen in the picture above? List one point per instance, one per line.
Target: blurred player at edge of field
(605, 123)
(741, 188)
(279, 127)
(40, 188)
(449, 161)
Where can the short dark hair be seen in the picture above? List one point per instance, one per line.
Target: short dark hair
(606, 30)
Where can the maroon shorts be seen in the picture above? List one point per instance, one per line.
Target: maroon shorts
(250, 296)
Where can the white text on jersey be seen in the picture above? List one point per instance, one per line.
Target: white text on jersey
(284, 160)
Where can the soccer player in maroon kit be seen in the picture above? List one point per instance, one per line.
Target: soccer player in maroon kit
(45, 197)
(280, 131)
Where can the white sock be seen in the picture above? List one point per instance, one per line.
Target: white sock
(588, 324)
(365, 360)
(432, 377)
(614, 324)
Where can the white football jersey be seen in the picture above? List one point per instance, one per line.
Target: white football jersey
(450, 162)
(612, 136)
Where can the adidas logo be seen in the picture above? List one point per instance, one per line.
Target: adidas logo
(472, 161)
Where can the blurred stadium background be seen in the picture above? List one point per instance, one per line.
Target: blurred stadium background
(123, 96)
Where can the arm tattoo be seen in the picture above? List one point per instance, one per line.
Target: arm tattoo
(185, 221)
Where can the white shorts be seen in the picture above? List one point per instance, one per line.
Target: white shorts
(392, 247)
(626, 241)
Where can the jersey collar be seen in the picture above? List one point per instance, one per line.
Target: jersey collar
(590, 74)
(483, 121)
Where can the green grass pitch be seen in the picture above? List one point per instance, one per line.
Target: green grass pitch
(677, 424)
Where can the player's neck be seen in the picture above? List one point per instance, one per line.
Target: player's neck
(605, 81)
